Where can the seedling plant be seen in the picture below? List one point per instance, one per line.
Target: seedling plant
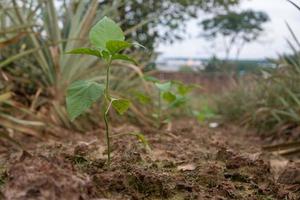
(108, 43)
(171, 95)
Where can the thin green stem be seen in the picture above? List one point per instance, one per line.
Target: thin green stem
(108, 99)
(107, 95)
(107, 132)
(159, 109)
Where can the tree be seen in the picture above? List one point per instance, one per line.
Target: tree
(236, 28)
(164, 21)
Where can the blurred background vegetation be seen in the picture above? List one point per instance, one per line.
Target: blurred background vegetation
(35, 71)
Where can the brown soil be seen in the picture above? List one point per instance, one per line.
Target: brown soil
(189, 162)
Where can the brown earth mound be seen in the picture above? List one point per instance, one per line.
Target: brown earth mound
(189, 162)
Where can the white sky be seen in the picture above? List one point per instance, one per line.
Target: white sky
(272, 42)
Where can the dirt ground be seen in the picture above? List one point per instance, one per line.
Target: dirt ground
(189, 162)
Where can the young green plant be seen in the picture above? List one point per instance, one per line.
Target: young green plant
(108, 41)
(170, 96)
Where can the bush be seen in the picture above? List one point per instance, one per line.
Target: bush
(270, 102)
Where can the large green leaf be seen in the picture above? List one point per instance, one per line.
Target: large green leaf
(115, 46)
(87, 51)
(105, 30)
(164, 86)
(121, 105)
(81, 95)
(124, 57)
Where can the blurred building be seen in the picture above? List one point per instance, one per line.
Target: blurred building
(177, 63)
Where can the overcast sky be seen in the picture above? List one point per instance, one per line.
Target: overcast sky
(272, 42)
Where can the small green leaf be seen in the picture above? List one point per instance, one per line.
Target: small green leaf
(87, 51)
(180, 100)
(81, 95)
(124, 57)
(200, 116)
(183, 89)
(151, 79)
(105, 55)
(142, 98)
(115, 46)
(206, 113)
(105, 30)
(169, 97)
(164, 86)
(121, 105)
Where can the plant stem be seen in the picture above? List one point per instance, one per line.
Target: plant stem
(108, 99)
(107, 132)
(107, 95)
(159, 109)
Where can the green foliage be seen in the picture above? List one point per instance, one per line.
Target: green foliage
(142, 98)
(236, 28)
(36, 34)
(121, 105)
(104, 31)
(164, 86)
(170, 14)
(34, 38)
(123, 57)
(245, 24)
(184, 89)
(86, 51)
(115, 46)
(204, 114)
(81, 95)
(107, 39)
(151, 79)
(171, 95)
(270, 102)
(168, 96)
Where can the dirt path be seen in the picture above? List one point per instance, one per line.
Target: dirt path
(189, 162)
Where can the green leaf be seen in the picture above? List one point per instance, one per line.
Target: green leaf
(105, 30)
(183, 89)
(200, 116)
(87, 51)
(180, 100)
(124, 57)
(151, 79)
(164, 86)
(205, 113)
(115, 46)
(142, 98)
(169, 97)
(81, 95)
(105, 55)
(121, 105)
